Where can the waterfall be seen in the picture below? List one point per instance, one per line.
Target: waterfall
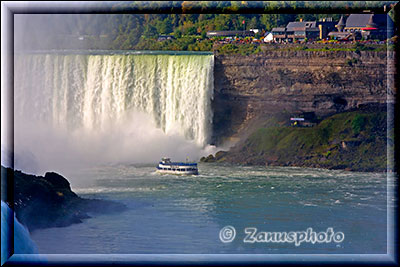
(89, 91)
(88, 95)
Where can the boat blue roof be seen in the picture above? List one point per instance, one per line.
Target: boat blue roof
(179, 163)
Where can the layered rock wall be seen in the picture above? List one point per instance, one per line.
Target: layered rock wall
(325, 82)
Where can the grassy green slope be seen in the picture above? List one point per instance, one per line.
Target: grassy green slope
(354, 140)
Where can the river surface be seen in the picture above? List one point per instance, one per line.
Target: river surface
(184, 214)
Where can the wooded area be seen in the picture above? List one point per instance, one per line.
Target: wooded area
(175, 18)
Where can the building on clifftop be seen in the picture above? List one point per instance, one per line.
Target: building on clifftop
(303, 30)
(366, 26)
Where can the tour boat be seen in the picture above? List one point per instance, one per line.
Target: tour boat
(166, 166)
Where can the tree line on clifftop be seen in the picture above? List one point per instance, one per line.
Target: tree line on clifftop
(140, 31)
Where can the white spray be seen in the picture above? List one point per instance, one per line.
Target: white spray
(87, 109)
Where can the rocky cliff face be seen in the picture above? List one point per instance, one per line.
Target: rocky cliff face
(248, 88)
(48, 201)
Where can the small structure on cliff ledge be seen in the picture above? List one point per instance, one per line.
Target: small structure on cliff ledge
(303, 119)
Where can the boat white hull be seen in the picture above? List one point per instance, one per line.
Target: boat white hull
(178, 172)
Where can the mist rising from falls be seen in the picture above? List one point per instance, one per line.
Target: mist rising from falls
(85, 109)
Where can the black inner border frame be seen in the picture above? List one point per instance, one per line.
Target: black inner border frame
(170, 7)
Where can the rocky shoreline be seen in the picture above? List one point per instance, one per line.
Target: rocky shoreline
(48, 201)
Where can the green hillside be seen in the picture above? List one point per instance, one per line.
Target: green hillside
(352, 140)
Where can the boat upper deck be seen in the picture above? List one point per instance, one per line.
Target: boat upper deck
(178, 163)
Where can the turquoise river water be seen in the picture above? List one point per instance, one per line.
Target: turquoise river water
(184, 214)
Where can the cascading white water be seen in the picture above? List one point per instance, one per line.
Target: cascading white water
(90, 91)
(88, 96)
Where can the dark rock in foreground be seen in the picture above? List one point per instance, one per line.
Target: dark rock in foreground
(48, 201)
(209, 158)
(219, 156)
